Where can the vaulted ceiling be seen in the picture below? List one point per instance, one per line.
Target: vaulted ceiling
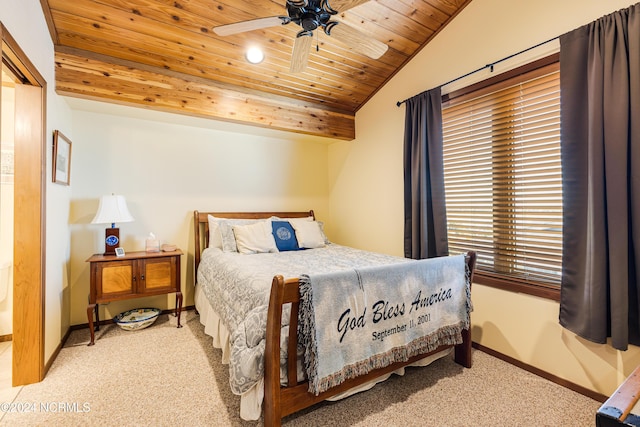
(165, 55)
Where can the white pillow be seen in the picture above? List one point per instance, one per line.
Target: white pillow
(308, 234)
(324, 235)
(221, 235)
(309, 219)
(255, 238)
(215, 235)
(221, 232)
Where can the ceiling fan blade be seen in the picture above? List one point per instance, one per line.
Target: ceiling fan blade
(253, 24)
(300, 55)
(356, 40)
(343, 5)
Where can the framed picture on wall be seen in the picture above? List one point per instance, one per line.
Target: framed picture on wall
(61, 158)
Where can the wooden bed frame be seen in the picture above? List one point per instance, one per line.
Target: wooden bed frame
(280, 401)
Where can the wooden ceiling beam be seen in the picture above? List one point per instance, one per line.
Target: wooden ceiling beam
(117, 41)
(164, 54)
(87, 75)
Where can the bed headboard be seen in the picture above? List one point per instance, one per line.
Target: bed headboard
(201, 225)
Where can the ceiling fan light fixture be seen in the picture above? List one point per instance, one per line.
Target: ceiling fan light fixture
(309, 21)
(310, 15)
(254, 55)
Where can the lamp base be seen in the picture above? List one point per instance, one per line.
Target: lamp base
(111, 240)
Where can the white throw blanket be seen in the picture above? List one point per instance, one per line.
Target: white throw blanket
(358, 320)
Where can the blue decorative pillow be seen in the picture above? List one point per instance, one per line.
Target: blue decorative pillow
(285, 236)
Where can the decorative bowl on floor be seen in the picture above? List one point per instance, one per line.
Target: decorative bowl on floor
(138, 318)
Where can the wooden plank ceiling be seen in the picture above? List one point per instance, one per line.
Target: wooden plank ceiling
(163, 54)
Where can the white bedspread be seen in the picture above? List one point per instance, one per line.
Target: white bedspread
(237, 287)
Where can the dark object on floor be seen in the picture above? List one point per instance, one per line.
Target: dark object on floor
(620, 409)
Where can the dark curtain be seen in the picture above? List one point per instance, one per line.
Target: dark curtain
(425, 218)
(600, 145)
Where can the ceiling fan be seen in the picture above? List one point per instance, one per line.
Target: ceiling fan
(311, 15)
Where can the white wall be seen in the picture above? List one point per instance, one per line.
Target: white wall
(25, 22)
(167, 166)
(366, 176)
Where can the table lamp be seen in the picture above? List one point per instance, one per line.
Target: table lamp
(112, 209)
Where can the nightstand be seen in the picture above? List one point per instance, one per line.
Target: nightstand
(134, 275)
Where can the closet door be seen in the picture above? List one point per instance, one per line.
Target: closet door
(28, 250)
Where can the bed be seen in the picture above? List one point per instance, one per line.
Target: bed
(257, 325)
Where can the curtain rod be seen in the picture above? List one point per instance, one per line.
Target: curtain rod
(490, 66)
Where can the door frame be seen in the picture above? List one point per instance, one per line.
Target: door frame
(29, 225)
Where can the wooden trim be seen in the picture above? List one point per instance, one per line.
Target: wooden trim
(94, 76)
(46, 10)
(539, 372)
(505, 283)
(16, 55)
(98, 57)
(543, 65)
(5, 338)
(56, 352)
(28, 364)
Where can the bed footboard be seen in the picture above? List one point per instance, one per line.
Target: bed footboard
(280, 401)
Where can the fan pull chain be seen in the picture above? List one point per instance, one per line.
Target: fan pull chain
(317, 42)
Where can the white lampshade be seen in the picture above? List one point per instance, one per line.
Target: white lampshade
(112, 209)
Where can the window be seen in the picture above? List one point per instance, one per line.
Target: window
(503, 178)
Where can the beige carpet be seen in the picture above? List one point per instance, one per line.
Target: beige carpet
(165, 376)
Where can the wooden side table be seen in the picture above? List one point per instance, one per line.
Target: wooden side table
(134, 275)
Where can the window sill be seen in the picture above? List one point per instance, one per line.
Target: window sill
(537, 289)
